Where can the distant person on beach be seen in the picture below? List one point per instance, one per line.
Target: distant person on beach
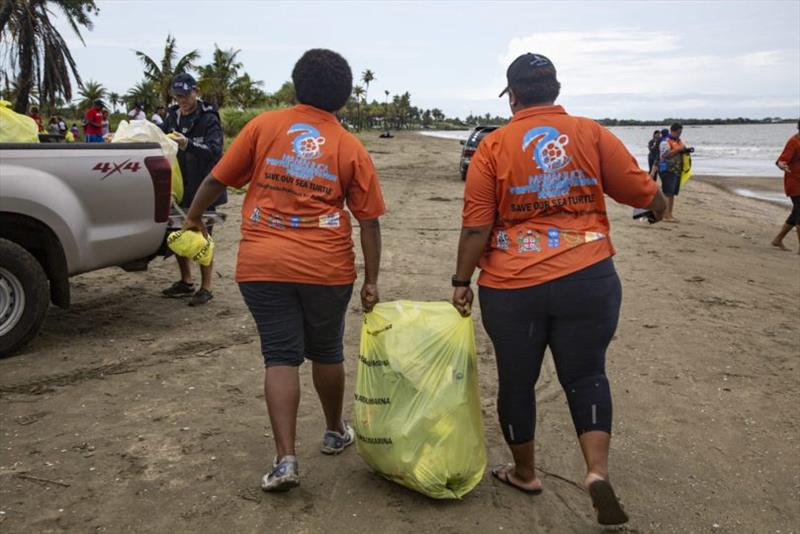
(52, 126)
(137, 113)
(158, 116)
(106, 123)
(37, 117)
(93, 122)
(75, 131)
(196, 127)
(652, 152)
(670, 166)
(535, 222)
(296, 265)
(789, 163)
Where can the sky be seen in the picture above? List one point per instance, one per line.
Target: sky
(630, 59)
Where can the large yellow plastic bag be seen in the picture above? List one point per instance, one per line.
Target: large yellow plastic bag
(146, 131)
(417, 407)
(15, 127)
(192, 244)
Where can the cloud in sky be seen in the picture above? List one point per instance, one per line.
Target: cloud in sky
(618, 59)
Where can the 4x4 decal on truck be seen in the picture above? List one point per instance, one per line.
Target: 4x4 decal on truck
(110, 167)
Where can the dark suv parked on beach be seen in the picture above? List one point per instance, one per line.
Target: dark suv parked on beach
(471, 145)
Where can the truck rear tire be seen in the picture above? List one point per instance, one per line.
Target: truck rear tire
(24, 296)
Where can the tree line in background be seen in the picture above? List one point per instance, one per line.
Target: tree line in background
(37, 68)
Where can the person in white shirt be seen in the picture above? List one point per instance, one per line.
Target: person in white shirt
(158, 116)
(137, 113)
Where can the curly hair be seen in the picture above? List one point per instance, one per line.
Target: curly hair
(323, 79)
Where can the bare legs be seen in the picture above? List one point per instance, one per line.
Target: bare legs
(595, 445)
(785, 229)
(282, 395)
(670, 205)
(185, 265)
(329, 383)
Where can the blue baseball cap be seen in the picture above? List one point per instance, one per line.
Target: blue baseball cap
(183, 84)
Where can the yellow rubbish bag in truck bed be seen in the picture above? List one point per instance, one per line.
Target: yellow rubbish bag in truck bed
(417, 408)
(15, 127)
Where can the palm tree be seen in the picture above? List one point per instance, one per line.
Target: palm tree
(114, 99)
(247, 93)
(217, 77)
(367, 77)
(38, 51)
(161, 73)
(145, 92)
(90, 92)
(358, 93)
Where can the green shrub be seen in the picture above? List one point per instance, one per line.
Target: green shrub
(233, 120)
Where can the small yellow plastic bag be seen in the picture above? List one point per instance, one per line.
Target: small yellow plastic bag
(15, 127)
(192, 244)
(417, 405)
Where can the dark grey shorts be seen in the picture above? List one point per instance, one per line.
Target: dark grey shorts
(298, 321)
(670, 183)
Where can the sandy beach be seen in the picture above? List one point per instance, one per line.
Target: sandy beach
(134, 413)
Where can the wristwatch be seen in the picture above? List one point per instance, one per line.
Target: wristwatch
(459, 283)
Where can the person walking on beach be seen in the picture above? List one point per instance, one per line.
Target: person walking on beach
(652, 152)
(789, 163)
(296, 264)
(670, 166)
(93, 122)
(196, 128)
(535, 222)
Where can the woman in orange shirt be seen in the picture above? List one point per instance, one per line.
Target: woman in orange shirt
(789, 163)
(296, 264)
(535, 223)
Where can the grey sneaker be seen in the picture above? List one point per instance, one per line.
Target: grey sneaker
(335, 443)
(284, 475)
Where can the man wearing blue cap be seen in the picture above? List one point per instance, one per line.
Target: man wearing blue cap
(196, 127)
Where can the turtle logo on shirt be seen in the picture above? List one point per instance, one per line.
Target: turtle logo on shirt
(549, 152)
(307, 144)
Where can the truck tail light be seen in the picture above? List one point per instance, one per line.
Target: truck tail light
(161, 174)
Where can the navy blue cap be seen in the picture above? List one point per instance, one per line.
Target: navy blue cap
(182, 84)
(529, 68)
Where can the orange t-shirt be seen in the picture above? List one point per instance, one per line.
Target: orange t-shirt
(791, 156)
(302, 166)
(540, 181)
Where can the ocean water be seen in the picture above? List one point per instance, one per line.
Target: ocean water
(730, 150)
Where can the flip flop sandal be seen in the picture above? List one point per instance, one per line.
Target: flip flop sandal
(500, 472)
(283, 477)
(609, 510)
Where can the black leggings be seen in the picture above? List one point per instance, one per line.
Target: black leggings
(576, 316)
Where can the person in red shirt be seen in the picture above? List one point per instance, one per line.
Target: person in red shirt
(93, 119)
(36, 117)
(535, 222)
(296, 265)
(789, 163)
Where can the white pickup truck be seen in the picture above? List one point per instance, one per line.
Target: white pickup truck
(68, 209)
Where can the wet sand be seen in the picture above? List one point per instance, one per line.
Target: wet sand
(134, 413)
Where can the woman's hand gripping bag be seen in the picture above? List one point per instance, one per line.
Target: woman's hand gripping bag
(417, 406)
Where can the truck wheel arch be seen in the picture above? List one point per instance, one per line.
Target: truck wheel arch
(38, 239)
